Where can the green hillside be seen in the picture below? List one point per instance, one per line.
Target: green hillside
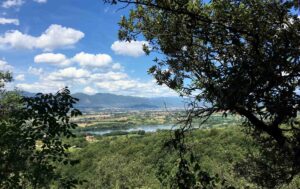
(139, 161)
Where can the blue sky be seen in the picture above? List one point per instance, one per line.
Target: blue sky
(48, 44)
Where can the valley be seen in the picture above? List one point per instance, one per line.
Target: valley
(124, 122)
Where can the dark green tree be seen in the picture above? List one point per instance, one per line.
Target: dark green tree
(31, 132)
(240, 56)
(189, 174)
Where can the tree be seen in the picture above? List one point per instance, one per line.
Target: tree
(31, 132)
(240, 56)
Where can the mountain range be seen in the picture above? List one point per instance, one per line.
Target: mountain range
(111, 101)
(100, 101)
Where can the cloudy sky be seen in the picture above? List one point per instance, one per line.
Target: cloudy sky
(49, 44)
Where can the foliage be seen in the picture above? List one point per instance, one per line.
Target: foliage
(267, 164)
(4, 78)
(140, 161)
(189, 174)
(31, 131)
(239, 56)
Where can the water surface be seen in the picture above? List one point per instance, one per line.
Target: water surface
(146, 128)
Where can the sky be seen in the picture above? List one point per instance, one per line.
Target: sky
(50, 44)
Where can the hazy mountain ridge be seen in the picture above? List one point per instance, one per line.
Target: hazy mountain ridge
(113, 101)
(106, 100)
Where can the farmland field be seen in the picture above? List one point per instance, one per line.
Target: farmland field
(106, 122)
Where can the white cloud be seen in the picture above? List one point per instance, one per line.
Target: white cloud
(92, 82)
(40, 1)
(114, 86)
(16, 39)
(51, 58)
(117, 66)
(109, 76)
(92, 60)
(43, 87)
(69, 73)
(20, 77)
(12, 3)
(56, 36)
(4, 66)
(95, 72)
(89, 90)
(17, 3)
(54, 81)
(9, 21)
(85, 60)
(133, 48)
(35, 71)
(134, 87)
(121, 83)
(111, 81)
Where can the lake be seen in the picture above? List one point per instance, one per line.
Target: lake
(146, 128)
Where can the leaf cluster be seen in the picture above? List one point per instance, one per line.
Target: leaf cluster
(31, 132)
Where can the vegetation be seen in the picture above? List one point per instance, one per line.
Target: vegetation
(235, 58)
(36, 140)
(31, 131)
(240, 57)
(112, 119)
(105, 121)
(227, 50)
(141, 161)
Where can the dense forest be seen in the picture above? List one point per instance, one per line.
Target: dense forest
(142, 161)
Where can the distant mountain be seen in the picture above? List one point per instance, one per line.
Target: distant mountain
(107, 101)
(27, 94)
(111, 101)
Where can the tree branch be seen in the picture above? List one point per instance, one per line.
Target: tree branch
(274, 131)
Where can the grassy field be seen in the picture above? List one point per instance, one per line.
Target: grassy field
(123, 120)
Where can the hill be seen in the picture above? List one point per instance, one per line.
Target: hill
(112, 101)
(101, 101)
